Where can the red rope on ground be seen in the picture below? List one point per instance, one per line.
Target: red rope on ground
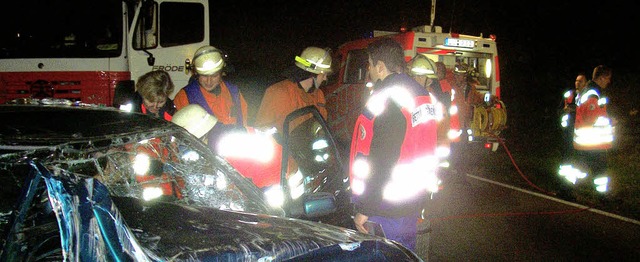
(520, 171)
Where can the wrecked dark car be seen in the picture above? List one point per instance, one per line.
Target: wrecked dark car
(97, 184)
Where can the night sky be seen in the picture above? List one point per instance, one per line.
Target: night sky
(542, 44)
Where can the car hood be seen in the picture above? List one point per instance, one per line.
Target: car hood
(177, 231)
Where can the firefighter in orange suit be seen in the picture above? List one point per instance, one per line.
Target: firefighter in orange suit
(392, 159)
(465, 96)
(148, 163)
(301, 88)
(594, 131)
(255, 154)
(220, 98)
(451, 110)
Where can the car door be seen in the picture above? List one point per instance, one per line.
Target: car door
(312, 166)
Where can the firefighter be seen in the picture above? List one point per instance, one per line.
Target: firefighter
(568, 114)
(148, 159)
(300, 88)
(424, 71)
(451, 109)
(465, 96)
(254, 153)
(220, 98)
(593, 131)
(152, 95)
(392, 158)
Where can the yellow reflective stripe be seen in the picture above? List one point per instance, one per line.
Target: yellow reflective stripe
(303, 61)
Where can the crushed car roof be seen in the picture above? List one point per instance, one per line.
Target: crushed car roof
(28, 124)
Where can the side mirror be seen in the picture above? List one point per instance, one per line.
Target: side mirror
(313, 205)
(151, 60)
(187, 66)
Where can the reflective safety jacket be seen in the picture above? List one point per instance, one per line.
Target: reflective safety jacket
(229, 106)
(454, 132)
(398, 190)
(593, 129)
(166, 112)
(465, 99)
(568, 117)
(254, 153)
(148, 161)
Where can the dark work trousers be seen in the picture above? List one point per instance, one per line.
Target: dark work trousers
(401, 229)
(594, 163)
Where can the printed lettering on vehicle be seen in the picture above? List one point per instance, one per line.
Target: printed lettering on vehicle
(169, 68)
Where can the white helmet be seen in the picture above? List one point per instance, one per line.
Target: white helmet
(422, 65)
(208, 60)
(194, 119)
(315, 60)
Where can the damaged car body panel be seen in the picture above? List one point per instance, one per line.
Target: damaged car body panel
(108, 185)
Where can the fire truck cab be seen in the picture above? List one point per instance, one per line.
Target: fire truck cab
(94, 51)
(347, 94)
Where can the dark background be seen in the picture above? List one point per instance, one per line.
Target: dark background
(542, 44)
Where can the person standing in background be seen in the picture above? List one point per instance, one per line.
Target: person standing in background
(568, 115)
(464, 98)
(208, 89)
(593, 131)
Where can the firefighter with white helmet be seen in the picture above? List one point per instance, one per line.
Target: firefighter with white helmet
(208, 89)
(196, 120)
(254, 153)
(300, 88)
(208, 60)
(424, 71)
(315, 60)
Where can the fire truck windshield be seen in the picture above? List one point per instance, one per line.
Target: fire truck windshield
(61, 29)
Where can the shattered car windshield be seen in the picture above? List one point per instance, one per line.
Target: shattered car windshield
(167, 166)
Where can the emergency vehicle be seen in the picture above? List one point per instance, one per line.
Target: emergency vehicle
(346, 93)
(93, 51)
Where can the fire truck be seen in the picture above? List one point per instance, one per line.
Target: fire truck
(93, 51)
(347, 93)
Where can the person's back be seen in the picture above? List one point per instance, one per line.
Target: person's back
(393, 136)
